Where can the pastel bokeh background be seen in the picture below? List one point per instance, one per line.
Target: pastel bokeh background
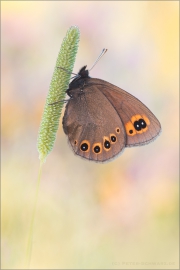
(118, 215)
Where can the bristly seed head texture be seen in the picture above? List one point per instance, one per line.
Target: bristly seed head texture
(57, 91)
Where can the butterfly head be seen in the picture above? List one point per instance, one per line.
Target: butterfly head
(83, 73)
(78, 81)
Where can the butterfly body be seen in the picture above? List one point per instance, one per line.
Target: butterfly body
(101, 119)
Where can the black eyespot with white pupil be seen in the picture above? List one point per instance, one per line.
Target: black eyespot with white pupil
(140, 124)
(97, 149)
(84, 146)
(113, 138)
(107, 144)
(137, 125)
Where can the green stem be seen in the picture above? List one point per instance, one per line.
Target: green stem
(50, 119)
(30, 237)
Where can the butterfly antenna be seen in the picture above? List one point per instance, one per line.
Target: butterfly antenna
(99, 57)
(67, 71)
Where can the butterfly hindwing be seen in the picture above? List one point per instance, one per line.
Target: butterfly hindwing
(93, 126)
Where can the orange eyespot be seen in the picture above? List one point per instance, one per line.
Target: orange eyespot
(97, 148)
(146, 120)
(137, 125)
(135, 117)
(130, 130)
(85, 146)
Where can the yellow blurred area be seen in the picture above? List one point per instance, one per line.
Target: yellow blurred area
(118, 215)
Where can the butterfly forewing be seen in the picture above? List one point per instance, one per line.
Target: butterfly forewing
(140, 124)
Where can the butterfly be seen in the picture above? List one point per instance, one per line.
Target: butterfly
(101, 119)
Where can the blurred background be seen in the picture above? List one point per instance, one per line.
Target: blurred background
(118, 215)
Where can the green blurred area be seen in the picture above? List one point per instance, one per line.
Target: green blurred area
(118, 215)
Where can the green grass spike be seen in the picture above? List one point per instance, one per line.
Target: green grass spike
(59, 84)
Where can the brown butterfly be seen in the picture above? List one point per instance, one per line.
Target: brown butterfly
(101, 119)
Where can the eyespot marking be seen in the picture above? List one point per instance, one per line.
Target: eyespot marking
(106, 143)
(97, 148)
(85, 146)
(137, 125)
(113, 138)
(146, 119)
(142, 123)
(130, 130)
(117, 130)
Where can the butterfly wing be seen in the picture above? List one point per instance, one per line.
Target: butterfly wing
(93, 127)
(139, 122)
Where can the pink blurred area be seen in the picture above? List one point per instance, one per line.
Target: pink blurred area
(118, 215)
